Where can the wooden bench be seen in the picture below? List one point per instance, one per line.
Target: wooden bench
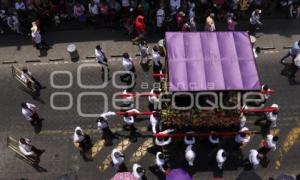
(16, 73)
(14, 146)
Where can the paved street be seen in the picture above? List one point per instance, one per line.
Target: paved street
(62, 157)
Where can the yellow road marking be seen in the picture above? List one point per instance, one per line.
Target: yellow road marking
(88, 131)
(122, 146)
(66, 132)
(97, 147)
(287, 145)
(141, 151)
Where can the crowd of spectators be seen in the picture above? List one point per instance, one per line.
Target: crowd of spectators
(182, 15)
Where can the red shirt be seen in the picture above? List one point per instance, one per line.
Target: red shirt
(139, 24)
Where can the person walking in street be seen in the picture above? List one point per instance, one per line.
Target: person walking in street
(265, 90)
(128, 99)
(160, 161)
(270, 142)
(29, 111)
(129, 124)
(154, 99)
(102, 60)
(254, 158)
(273, 116)
(82, 141)
(293, 51)
(128, 67)
(143, 50)
(102, 126)
(28, 149)
(118, 159)
(189, 139)
(294, 68)
(156, 60)
(255, 21)
(213, 139)
(243, 120)
(270, 117)
(154, 121)
(162, 142)
(221, 158)
(190, 155)
(242, 136)
(138, 171)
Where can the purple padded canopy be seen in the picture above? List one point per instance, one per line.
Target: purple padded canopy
(211, 61)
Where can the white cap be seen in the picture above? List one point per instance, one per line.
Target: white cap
(275, 106)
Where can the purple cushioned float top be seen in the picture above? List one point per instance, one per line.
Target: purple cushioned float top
(211, 61)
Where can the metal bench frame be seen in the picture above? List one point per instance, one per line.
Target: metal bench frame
(16, 73)
(14, 146)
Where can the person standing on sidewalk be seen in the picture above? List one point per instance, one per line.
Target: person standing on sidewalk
(37, 39)
(29, 111)
(210, 23)
(101, 59)
(102, 125)
(255, 21)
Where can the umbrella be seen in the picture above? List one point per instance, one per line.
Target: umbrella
(124, 176)
(178, 174)
(248, 175)
(285, 177)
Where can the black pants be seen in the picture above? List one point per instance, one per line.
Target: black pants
(35, 119)
(107, 135)
(36, 82)
(156, 68)
(294, 70)
(286, 56)
(42, 45)
(127, 77)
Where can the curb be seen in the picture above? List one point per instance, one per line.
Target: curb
(9, 62)
(267, 48)
(57, 59)
(32, 61)
(90, 57)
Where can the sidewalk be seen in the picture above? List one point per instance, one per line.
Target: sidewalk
(275, 34)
